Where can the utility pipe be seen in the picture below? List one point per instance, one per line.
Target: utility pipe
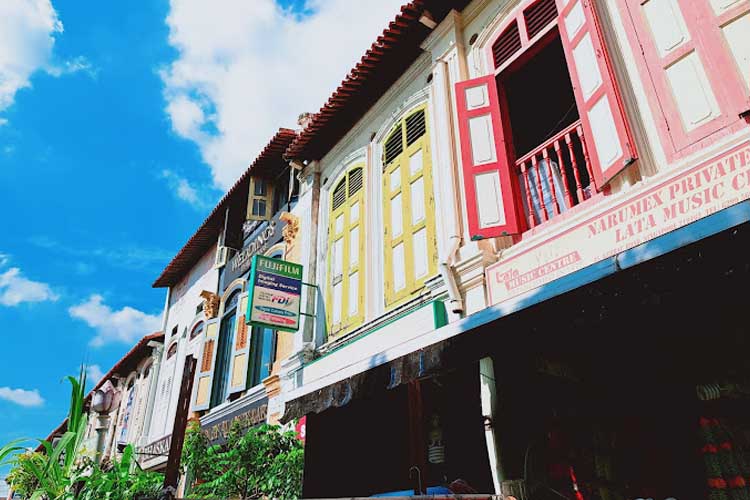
(453, 221)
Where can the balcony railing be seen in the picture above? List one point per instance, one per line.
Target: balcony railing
(555, 175)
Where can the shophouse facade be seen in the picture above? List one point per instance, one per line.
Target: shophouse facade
(502, 182)
(238, 366)
(117, 407)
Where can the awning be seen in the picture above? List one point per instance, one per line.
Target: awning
(413, 366)
(445, 347)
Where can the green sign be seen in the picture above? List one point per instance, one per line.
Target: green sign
(275, 294)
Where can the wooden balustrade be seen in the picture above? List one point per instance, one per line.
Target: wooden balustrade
(556, 175)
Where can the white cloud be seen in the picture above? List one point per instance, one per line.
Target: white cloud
(94, 373)
(15, 289)
(183, 190)
(126, 325)
(4, 259)
(3, 121)
(232, 87)
(75, 65)
(22, 397)
(27, 37)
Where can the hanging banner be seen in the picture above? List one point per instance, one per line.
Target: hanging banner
(275, 289)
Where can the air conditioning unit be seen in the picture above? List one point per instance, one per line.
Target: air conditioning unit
(222, 256)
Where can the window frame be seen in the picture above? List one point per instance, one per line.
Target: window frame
(266, 197)
(413, 284)
(223, 363)
(347, 321)
(723, 74)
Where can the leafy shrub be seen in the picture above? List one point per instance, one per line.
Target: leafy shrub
(262, 462)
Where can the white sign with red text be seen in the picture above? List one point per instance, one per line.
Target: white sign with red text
(669, 205)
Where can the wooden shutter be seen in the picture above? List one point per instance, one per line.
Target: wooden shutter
(488, 181)
(606, 135)
(240, 356)
(705, 43)
(204, 373)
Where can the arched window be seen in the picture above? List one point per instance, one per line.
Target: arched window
(220, 391)
(408, 208)
(172, 350)
(197, 330)
(346, 252)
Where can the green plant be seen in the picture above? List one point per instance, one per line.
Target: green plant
(120, 480)
(262, 462)
(22, 476)
(53, 472)
(61, 472)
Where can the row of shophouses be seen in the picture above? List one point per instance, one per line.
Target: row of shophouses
(523, 226)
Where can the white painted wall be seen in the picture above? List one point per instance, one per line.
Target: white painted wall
(181, 312)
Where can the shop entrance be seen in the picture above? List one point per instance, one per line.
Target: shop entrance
(637, 386)
(426, 433)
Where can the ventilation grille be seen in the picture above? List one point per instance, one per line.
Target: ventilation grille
(506, 45)
(355, 181)
(393, 146)
(539, 15)
(415, 127)
(339, 194)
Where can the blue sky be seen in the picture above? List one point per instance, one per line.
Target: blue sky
(120, 127)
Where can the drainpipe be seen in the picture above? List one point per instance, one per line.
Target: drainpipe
(450, 192)
(312, 264)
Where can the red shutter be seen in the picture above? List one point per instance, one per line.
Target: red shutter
(488, 180)
(606, 133)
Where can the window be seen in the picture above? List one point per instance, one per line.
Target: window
(174, 331)
(547, 127)
(696, 54)
(346, 252)
(197, 330)
(408, 208)
(260, 200)
(172, 350)
(220, 390)
(263, 350)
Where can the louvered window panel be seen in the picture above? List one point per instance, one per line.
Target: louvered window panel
(506, 45)
(539, 15)
(339, 194)
(415, 127)
(393, 146)
(355, 181)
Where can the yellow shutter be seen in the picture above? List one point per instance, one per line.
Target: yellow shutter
(346, 252)
(408, 209)
(204, 373)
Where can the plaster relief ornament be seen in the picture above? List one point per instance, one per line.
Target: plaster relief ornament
(290, 234)
(210, 304)
(292, 227)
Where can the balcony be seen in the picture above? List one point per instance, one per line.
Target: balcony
(555, 176)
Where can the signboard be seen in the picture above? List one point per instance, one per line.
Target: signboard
(656, 210)
(265, 236)
(158, 448)
(248, 416)
(300, 429)
(275, 288)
